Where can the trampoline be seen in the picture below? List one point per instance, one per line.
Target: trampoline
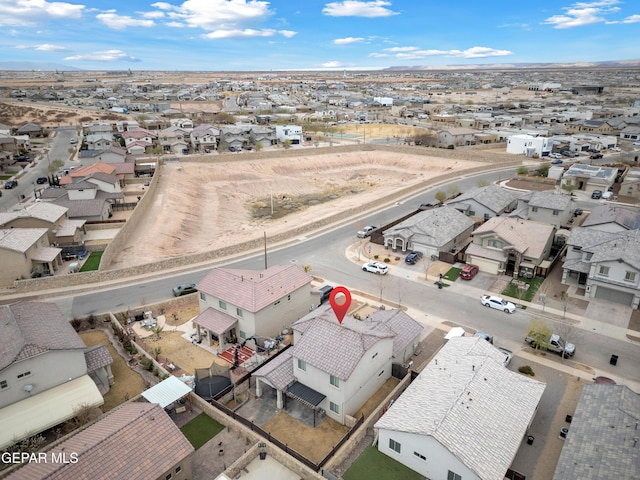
(208, 387)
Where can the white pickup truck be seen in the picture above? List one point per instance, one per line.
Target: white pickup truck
(554, 343)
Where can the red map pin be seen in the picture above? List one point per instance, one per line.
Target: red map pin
(341, 304)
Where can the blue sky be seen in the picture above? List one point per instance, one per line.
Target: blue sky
(312, 35)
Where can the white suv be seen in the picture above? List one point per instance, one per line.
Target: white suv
(375, 267)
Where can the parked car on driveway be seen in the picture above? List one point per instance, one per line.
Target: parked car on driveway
(366, 231)
(469, 271)
(596, 155)
(498, 303)
(597, 194)
(413, 258)
(375, 267)
(508, 355)
(184, 289)
(41, 180)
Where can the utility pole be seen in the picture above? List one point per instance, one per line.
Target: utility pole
(265, 250)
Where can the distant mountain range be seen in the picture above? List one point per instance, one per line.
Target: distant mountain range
(35, 66)
(526, 66)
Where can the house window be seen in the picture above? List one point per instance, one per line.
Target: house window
(486, 216)
(335, 381)
(604, 271)
(420, 456)
(239, 312)
(302, 365)
(630, 191)
(3, 384)
(453, 476)
(630, 276)
(243, 334)
(202, 296)
(178, 469)
(222, 305)
(495, 243)
(24, 374)
(534, 209)
(471, 213)
(334, 408)
(588, 256)
(556, 212)
(393, 445)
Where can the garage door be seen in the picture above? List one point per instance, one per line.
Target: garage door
(617, 296)
(487, 266)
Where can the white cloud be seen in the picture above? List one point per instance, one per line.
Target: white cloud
(120, 22)
(28, 13)
(413, 53)
(334, 64)
(152, 14)
(104, 56)
(632, 19)
(212, 15)
(45, 47)
(347, 40)
(357, 8)
(379, 55)
(583, 13)
(247, 33)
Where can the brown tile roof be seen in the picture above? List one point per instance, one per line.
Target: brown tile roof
(252, 290)
(215, 320)
(97, 357)
(31, 328)
(20, 239)
(135, 441)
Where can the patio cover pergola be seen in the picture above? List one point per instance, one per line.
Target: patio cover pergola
(167, 391)
(308, 396)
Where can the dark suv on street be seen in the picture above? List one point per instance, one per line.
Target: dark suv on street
(9, 184)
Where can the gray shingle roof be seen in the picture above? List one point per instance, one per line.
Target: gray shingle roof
(492, 197)
(434, 227)
(627, 218)
(603, 440)
(137, 440)
(31, 328)
(42, 210)
(607, 246)
(467, 401)
(551, 200)
(252, 290)
(404, 328)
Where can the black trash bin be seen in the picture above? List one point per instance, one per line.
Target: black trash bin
(530, 440)
(614, 360)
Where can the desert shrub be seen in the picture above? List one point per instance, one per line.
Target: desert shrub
(527, 370)
(76, 323)
(146, 363)
(386, 260)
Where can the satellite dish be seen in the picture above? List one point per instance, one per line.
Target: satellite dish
(28, 388)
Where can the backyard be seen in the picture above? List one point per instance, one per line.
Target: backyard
(201, 429)
(373, 464)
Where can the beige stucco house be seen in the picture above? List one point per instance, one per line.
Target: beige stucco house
(25, 252)
(511, 246)
(237, 304)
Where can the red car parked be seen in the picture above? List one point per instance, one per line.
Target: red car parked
(468, 272)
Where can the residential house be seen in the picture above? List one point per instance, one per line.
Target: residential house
(611, 218)
(238, 304)
(547, 207)
(630, 133)
(602, 441)
(630, 185)
(233, 137)
(587, 178)
(204, 137)
(139, 138)
(44, 376)
(266, 136)
(60, 229)
(173, 139)
(606, 264)
(512, 246)
(26, 252)
(529, 145)
(337, 366)
(98, 141)
(290, 133)
(456, 136)
(463, 417)
(136, 440)
(486, 202)
(30, 129)
(432, 231)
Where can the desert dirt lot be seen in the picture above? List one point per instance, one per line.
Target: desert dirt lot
(205, 206)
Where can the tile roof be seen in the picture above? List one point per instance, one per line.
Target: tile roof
(526, 236)
(608, 246)
(46, 254)
(347, 342)
(434, 227)
(603, 214)
(492, 197)
(69, 227)
(551, 200)
(97, 357)
(252, 290)
(46, 211)
(404, 328)
(472, 405)
(279, 371)
(214, 320)
(20, 239)
(137, 440)
(603, 438)
(31, 328)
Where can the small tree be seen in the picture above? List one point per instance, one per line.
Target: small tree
(441, 196)
(157, 330)
(453, 190)
(543, 169)
(55, 165)
(156, 352)
(522, 170)
(540, 332)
